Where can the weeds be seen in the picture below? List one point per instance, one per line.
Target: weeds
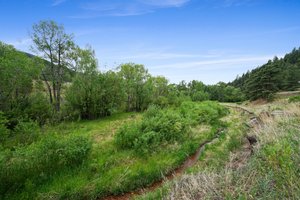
(271, 173)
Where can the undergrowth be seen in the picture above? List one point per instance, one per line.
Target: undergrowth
(272, 172)
(94, 159)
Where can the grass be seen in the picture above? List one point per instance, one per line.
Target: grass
(294, 99)
(214, 158)
(272, 172)
(217, 154)
(108, 170)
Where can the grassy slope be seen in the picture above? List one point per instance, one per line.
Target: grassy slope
(108, 170)
(226, 169)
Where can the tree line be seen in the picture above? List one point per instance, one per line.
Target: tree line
(276, 75)
(62, 81)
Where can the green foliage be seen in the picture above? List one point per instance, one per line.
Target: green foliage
(198, 91)
(39, 108)
(93, 94)
(200, 96)
(276, 75)
(277, 165)
(25, 132)
(57, 47)
(4, 131)
(16, 75)
(166, 126)
(157, 127)
(294, 99)
(135, 80)
(36, 163)
(126, 135)
(205, 112)
(225, 93)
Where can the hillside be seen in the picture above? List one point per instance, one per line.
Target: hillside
(257, 158)
(276, 75)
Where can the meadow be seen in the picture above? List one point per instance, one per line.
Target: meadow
(111, 156)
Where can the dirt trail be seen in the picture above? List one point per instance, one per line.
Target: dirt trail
(189, 162)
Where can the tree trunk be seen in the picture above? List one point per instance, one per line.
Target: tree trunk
(57, 105)
(49, 89)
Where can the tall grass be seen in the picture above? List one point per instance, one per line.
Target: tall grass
(271, 173)
(34, 164)
(94, 159)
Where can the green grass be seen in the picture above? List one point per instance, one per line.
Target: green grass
(271, 172)
(217, 154)
(108, 170)
(294, 99)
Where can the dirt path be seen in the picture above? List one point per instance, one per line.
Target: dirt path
(189, 162)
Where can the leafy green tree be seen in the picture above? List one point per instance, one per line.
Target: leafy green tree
(135, 77)
(53, 44)
(82, 94)
(93, 94)
(17, 72)
(160, 91)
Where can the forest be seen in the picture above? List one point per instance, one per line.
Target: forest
(69, 130)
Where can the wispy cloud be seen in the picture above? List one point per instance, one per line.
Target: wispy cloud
(233, 3)
(22, 44)
(216, 63)
(58, 2)
(228, 3)
(163, 56)
(165, 3)
(93, 9)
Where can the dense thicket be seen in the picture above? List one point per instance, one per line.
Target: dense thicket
(276, 75)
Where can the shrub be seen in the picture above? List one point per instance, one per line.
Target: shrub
(156, 127)
(25, 132)
(126, 135)
(294, 99)
(4, 131)
(39, 161)
(200, 96)
(204, 112)
(39, 109)
(166, 126)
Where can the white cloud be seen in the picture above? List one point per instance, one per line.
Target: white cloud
(95, 9)
(165, 3)
(216, 63)
(162, 56)
(58, 2)
(21, 44)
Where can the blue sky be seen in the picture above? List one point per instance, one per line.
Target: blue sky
(207, 40)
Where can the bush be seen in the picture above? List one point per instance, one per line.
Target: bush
(39, 109)
(200, 96)
(204, 112)
(156, 127)
(4, 131)
(166, 126)
(39, 161)
(126, 135)
(25, 132)
(294, 99)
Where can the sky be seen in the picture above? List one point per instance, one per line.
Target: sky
(205, 40)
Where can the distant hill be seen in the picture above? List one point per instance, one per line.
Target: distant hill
(69, 73)
(276, 75)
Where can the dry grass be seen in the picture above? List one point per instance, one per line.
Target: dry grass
(246, 177)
